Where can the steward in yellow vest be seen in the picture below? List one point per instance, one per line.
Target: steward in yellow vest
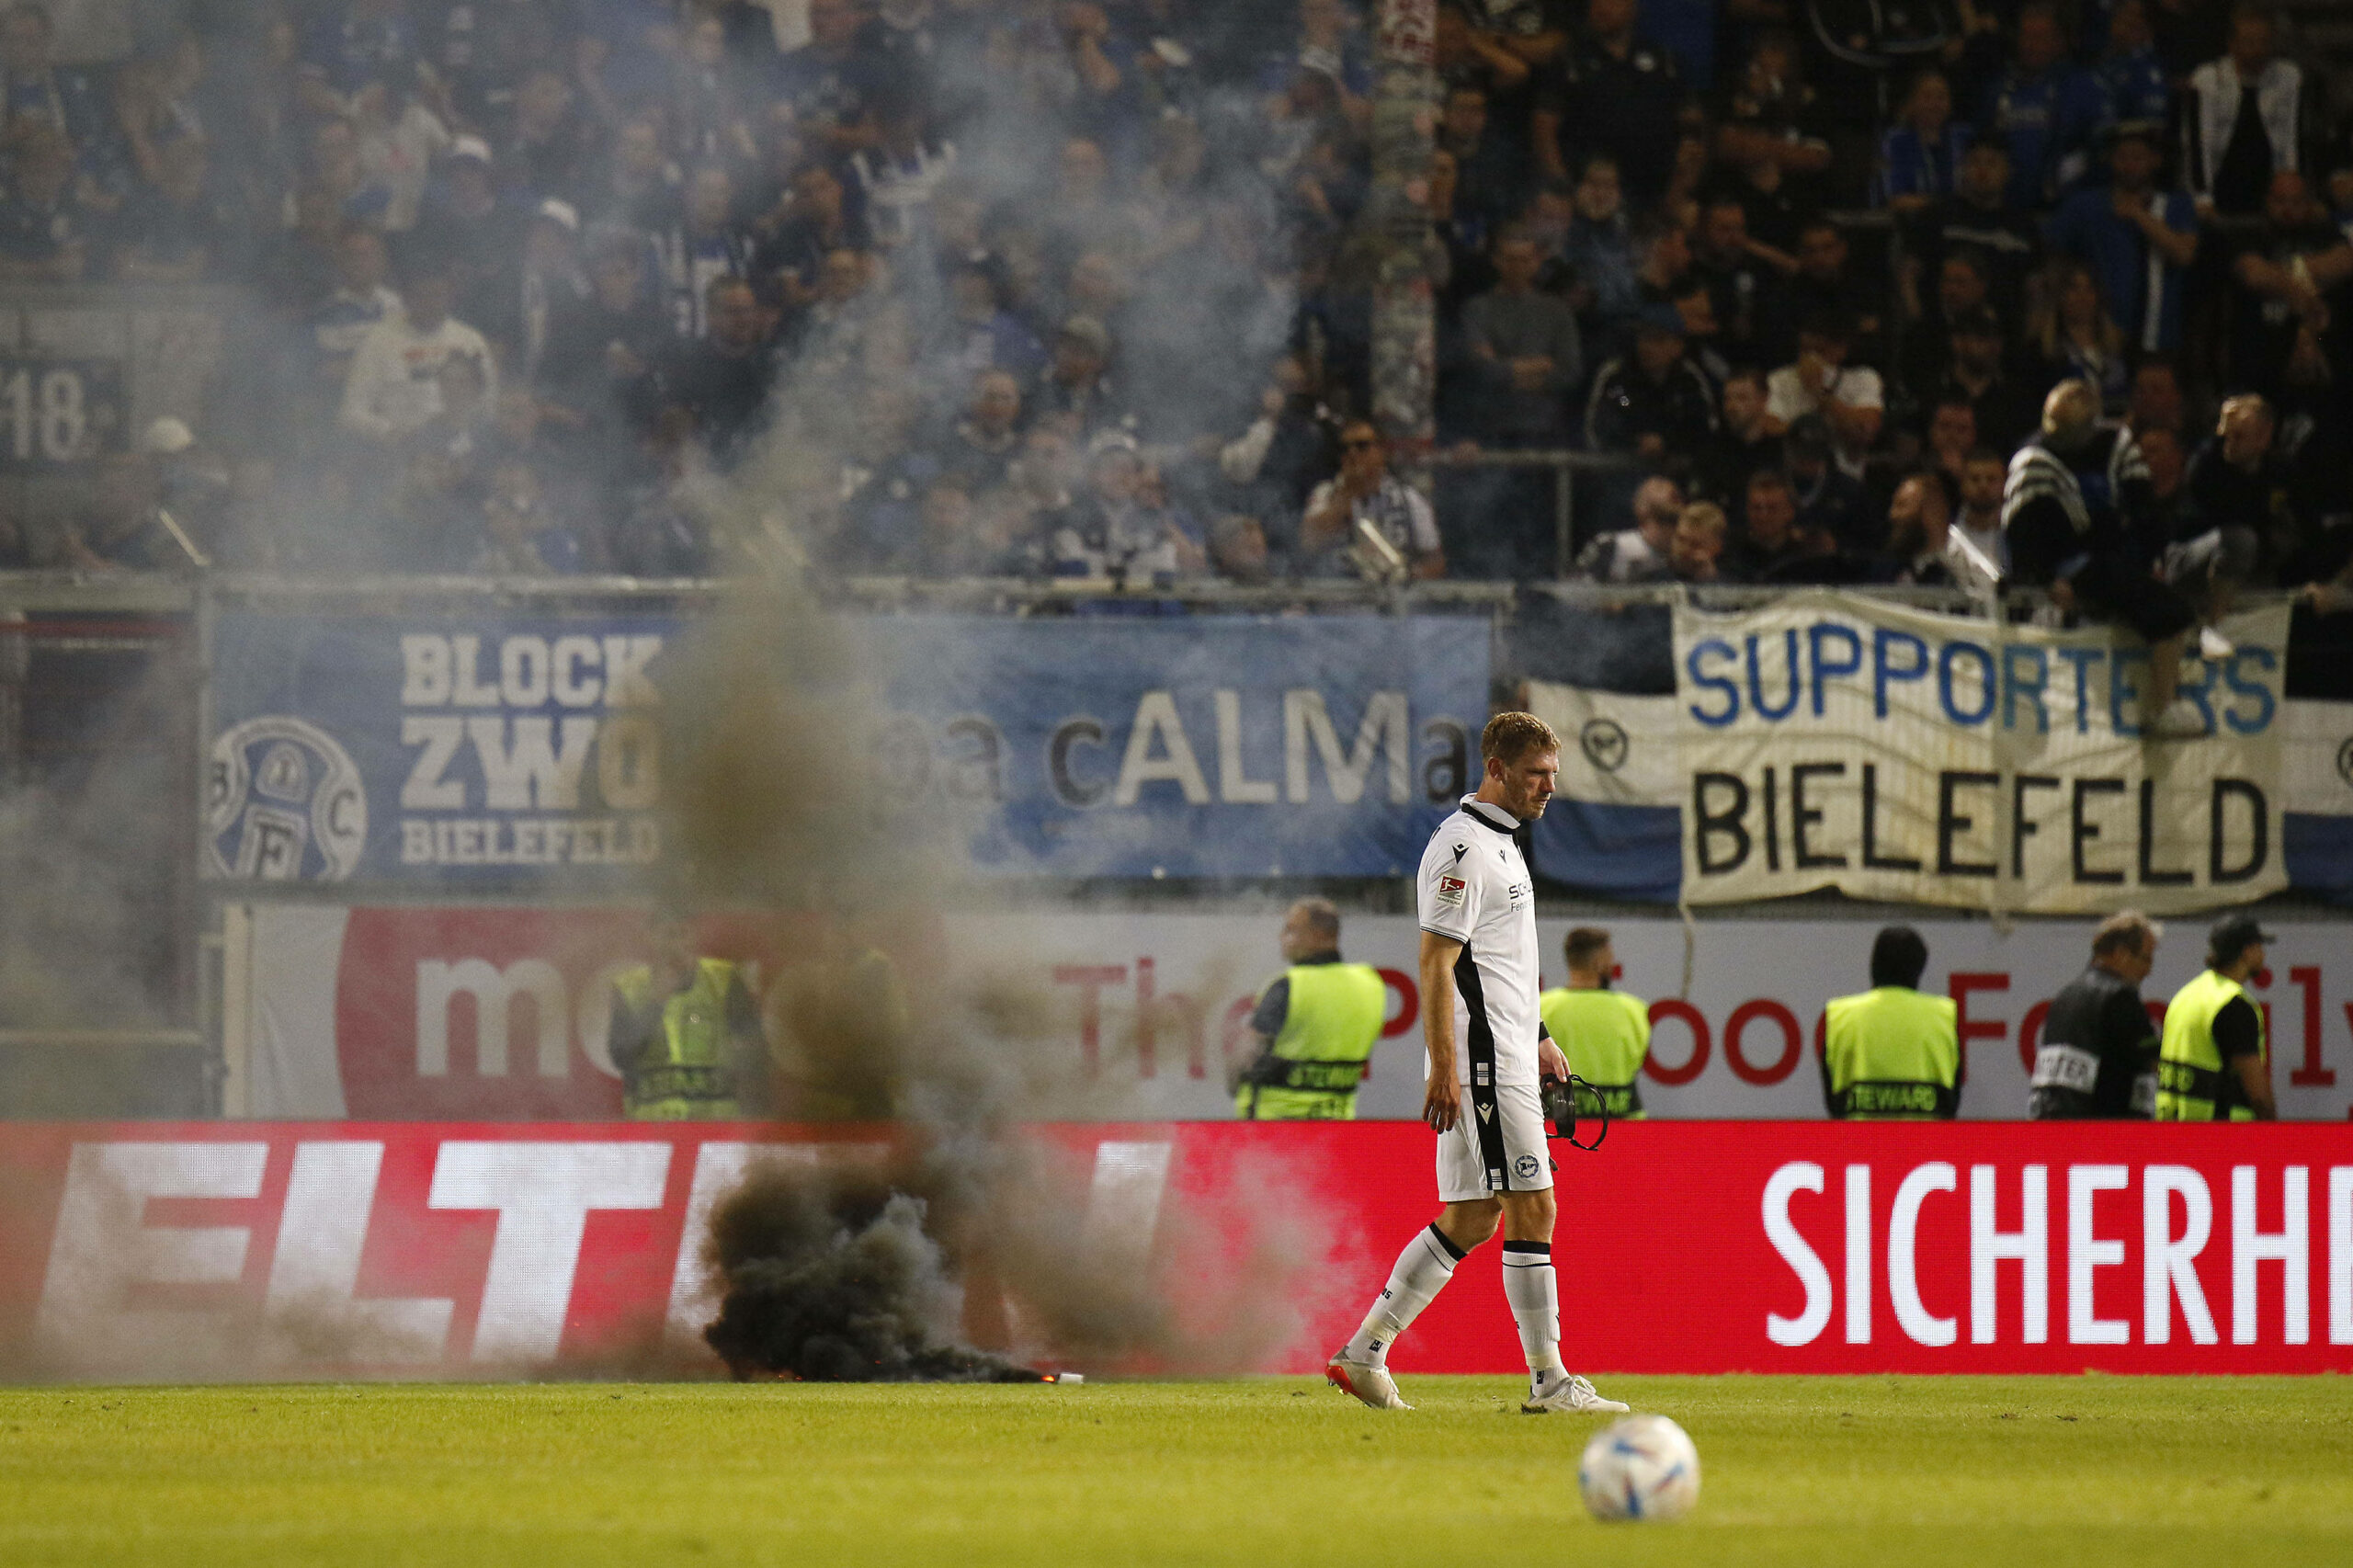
(1892, 1054)
(685, 1035)
(1605, 1034)
(1316, 1024)
(2213, 1063)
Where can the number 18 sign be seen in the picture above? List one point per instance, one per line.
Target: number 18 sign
(55, 413)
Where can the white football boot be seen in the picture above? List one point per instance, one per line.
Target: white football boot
(1364, 1382)
(1559, 1391)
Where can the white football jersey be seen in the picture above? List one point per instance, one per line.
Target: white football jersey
(1474, 889)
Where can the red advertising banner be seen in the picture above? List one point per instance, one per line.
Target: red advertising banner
(151, 1250)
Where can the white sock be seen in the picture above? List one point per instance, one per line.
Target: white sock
(1535, 1298)
(1422, 1271)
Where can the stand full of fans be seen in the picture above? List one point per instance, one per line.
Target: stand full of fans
(1080, 288)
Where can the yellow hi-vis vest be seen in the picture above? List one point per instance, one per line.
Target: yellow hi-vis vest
(1311, 1071)
(1893, 1054)
(2193, 1084)
(1605, 1035)
(690, 1073)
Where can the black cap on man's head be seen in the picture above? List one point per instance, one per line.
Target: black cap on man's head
(2233, 934)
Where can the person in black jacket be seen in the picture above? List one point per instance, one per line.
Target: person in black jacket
(1652, 401)
(604, 348)
(724, 380)
(2239, 486)
(2099, 1058)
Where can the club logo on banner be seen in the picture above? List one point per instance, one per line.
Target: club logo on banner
(283, 802)
(1832, 741)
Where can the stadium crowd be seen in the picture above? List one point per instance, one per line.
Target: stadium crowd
(1077, 287)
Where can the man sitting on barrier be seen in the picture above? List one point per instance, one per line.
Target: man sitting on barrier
(2079, 513)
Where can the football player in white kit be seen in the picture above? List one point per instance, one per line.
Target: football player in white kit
(1487, 1052)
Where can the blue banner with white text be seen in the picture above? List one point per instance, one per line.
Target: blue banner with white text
(509, 749)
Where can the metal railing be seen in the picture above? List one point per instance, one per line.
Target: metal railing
(164, 595)
(156, 593)
(1566, 465)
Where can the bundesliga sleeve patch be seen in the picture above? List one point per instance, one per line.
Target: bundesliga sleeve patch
(1450, 891)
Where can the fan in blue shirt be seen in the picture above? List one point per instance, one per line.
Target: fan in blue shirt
(2044, 108)
(2138, 241)
(1919, 158)
(2128, 78)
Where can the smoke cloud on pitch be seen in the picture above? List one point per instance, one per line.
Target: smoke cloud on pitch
(975, 1235)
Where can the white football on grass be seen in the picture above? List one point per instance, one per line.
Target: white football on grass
(1640, 1467)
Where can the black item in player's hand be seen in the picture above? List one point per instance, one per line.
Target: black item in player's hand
(1561, 1108)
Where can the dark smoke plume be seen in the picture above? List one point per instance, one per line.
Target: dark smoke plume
(835, 1279)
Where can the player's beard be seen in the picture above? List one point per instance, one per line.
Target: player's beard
(1526, 805)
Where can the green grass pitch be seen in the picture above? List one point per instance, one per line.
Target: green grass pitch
(1901, 1472)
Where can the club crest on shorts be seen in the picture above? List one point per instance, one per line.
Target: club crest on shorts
(284, 804)
(1524, 1167)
